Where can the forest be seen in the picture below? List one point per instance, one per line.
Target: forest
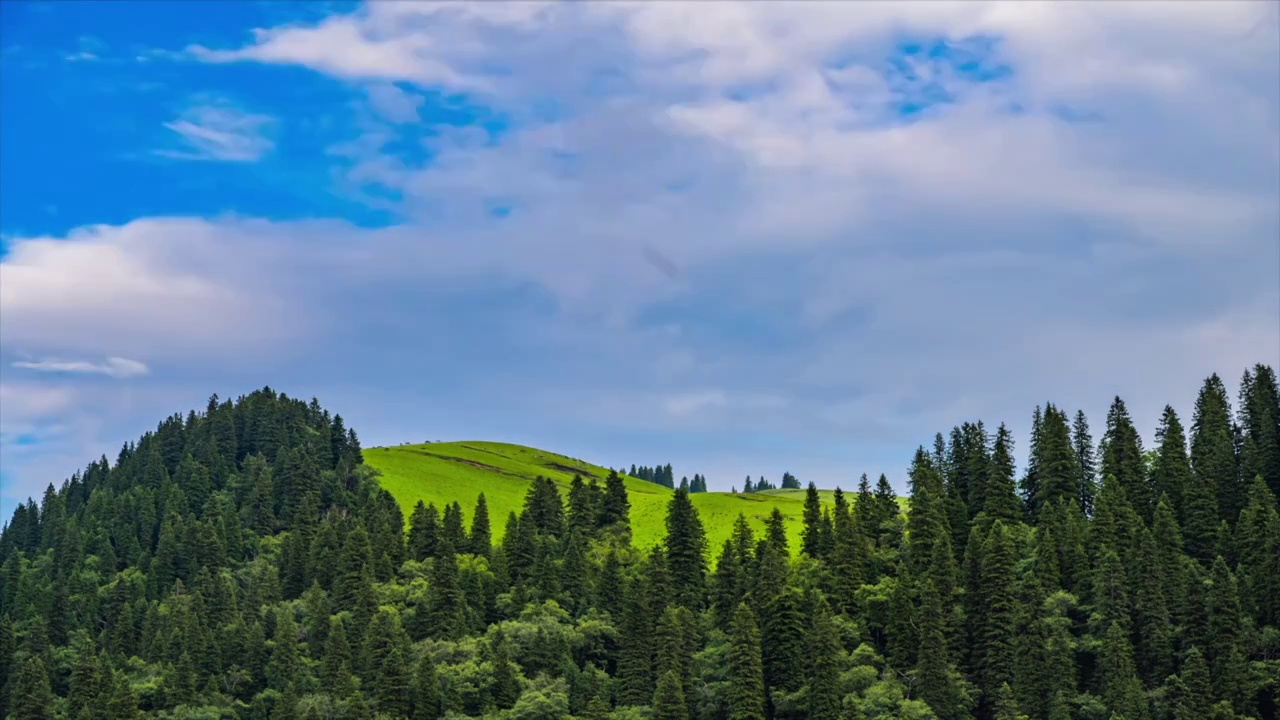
(243, 562)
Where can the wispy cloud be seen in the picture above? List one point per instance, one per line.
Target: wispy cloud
(116, 367)
(220, 131)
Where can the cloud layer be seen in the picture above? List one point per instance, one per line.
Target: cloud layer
(873, 220)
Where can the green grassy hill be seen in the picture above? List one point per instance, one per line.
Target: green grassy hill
(443, 473)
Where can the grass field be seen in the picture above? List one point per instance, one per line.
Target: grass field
(443, 473)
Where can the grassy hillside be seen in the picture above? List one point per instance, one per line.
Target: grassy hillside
(442, 473)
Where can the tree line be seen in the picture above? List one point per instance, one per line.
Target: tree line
(243, 562)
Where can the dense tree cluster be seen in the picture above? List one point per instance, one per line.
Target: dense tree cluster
(661, 474)
(244, 563)
(664, 475)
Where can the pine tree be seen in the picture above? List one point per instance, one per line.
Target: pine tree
(453, 528)
(1122, 458)
(86, 684)
(995, 629)
(1000, 496)
(935, 676)
(1171, 472)
(1260, 425)
(506, 680)
(353, 584)
(668, 698)
(1213, 454)
(445, 602)
(392, 690)
(1223, 651)
(674, 642)
(810, 543)
(1192, 692)
(1057, 469)
(480, 541)
(927, 521)
(1082, 444)
(686, 552)
(336, 671)
(424, 531)
(745, 696)
(1121, 689)
(427, 702)
(823, 699)
(635, 653)
(1257, 543)
(30, 694)
(784, 634)
(615, 506)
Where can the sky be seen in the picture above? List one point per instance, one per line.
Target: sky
(742, 238)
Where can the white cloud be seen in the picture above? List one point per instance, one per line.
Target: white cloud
(847, 277)
(155, 288)
(393, 103)
(23, 404)
(220, 131)
(115, 367)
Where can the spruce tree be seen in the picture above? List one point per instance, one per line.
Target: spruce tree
(1000, 496)
(452, 528)
(823, 697)
(668, 698)
(635, 652)
(1213, 453)
(686, 552)
(392, 689)
(934, 675)
(994, 628)
(1121, 689)
(353, 584)
(1122, 459)
(480, 542)
(427, 703)
(1225, 630)
(30, 694)
(1082, 444)
(811, 536)
(745, 698)
(1259, 421)
(1171, 472)
(784, 634)
(424, 531)
(506, 680)
(445, 602)
(615, 506)
(1056, 465)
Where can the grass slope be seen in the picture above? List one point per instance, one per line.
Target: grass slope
(444, 473)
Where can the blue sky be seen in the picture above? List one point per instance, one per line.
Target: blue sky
(741, 238)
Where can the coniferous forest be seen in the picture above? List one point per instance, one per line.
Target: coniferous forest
(243, 563)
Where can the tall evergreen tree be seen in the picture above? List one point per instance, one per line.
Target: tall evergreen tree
(1213, 453)
(686, 552)
(1259, 421)
(994, 628)
(745, 699)
(480, 542)
(1000, 500)
(1171, 472)
(1082, 444)
(811, 535)
(1122, 458)
(668, 698)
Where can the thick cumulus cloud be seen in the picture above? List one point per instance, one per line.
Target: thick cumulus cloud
(802, 224)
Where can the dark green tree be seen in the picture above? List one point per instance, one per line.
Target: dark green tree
(686, 552)
(668, 698)
(745, 699)
(1213, 451)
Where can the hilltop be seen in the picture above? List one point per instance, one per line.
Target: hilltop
(447, 472)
